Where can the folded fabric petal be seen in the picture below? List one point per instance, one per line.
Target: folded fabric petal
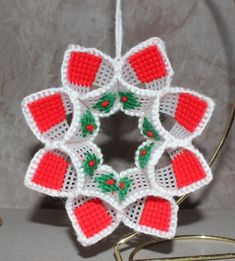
(55, 172)
(153, 215)
(55, 116)
(145, 70)
(87, 71)
(51, 114)
(146, 66)
(188, 113)
(92, 218)
(185, 170)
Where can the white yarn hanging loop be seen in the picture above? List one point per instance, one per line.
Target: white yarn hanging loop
(118, 29)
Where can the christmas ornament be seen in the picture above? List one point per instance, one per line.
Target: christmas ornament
(66, 120)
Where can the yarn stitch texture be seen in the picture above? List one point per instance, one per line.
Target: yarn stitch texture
(66, 120)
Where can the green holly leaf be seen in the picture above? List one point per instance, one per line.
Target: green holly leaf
(88, 123)
(90, 163)
(105, 103)
(129, 100)
(144, 154)
(107, 182)
(148, 130)
(123, 187)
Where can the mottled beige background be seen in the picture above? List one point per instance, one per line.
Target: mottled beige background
(200, 39)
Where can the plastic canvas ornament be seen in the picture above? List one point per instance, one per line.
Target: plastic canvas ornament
(66, 120)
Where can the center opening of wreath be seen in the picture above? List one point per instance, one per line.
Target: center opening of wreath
(118, 139)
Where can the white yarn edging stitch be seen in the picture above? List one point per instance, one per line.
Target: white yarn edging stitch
(154, 159)
(53, 192)
(161, 46)
(64, 72)
(98, 236)
(155, 116)
(155, 232)
(31, 123)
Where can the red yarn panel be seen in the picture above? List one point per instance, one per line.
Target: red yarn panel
(82, 68)
(190, 111)
(92, 217)
(156, 213)
(187, 169)
(48, 111)
(51, 171)
(148, 64)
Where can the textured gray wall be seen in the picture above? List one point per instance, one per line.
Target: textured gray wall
(200, 40)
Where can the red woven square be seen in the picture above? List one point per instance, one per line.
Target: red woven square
(92, 217)
(148, 64)
(48, 112)
(190, 111)
(51, 171)
(82, 68)
(187, 169)
(156, 213)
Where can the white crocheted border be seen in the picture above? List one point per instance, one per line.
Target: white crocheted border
(76, 153)
(98, 236)
(72, 132)
(161, 46)
(83, 91)
(155, 114)
(52, 192)
(155, 156)
(153, 231)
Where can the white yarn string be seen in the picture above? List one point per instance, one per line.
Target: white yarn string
(118, 29)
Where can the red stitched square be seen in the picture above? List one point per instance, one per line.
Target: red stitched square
(190, 111)
(51, 171)
(82, 68)
(156, 213)
(92, 217)
(187, 169)
(48, 111)
(148, 64)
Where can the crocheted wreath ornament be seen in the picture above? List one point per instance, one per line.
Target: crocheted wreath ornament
(66, 119)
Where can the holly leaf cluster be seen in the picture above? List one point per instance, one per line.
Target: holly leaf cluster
(88, 123)
(105, 103)
(108, 183)
(90, 163)
(148, 130)
(144, 154)
(129, 100)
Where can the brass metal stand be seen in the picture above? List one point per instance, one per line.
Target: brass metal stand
(185, 237)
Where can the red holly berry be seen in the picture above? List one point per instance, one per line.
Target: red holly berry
(122, 185)
(110, 182)
(124, 99)
(91, 163)
(105, 103)
(90, 127)
(143, 152)
(150, 134)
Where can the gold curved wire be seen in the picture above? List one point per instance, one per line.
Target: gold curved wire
(180, 201)
(225, 240)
